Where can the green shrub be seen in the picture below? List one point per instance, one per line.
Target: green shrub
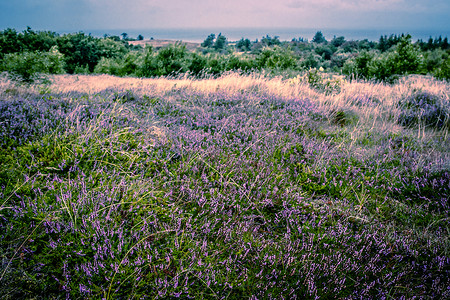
(107, 66)
(326, 85)
(197, 64)
(433, 60)
(383, 67)
(170, 60)
(26, 66)
(310, 61)
(444, 71)
(276, 58)
(149, 66)
(216, 64)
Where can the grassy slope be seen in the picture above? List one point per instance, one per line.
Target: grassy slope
(240, 186)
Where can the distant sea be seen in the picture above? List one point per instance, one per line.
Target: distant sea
(284, 34)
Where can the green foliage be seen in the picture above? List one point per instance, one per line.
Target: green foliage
(80, 50)
(244, 45)
(408, 58)
(125, 36)
(28, 41)
(311, 61)
(38, 41)
(269, 41)
(220, 43)
(239, 63)
(433, 60)
(403, 59)
(276, 58)
(172, 59)
(359, 66)
(110, 48)
(107, 66)
(338, 41)
(385, 60)
(149, 64)
(319, 38)
(319, 82)
(444, 71)
(198, 63)
(325, 51)
(216, 64)
(27, 65)
(209, 41)
(9, 42)
(385, 43)
(383, 67)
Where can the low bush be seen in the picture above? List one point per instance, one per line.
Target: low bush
(424, 109)
(27, 66)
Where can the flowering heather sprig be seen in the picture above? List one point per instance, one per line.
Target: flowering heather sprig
(424, 109)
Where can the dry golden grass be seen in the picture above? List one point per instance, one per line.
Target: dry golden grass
(378, 117)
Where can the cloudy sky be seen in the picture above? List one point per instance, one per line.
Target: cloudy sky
(75, 15)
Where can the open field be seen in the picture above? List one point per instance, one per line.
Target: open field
(237, 187)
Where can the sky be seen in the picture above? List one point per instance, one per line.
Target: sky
(78, 15)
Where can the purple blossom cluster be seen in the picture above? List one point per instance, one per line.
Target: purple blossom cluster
(426, 109)
(229, 204)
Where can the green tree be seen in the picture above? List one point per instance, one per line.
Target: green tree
(325, 52)
(79, 50)
(38, 41)
(319, 38)
(10, 42)
(220, 43)
(209, 41)
(269, 41)
(338, 41)
(244, 45)
(362, 63)
(408, 58)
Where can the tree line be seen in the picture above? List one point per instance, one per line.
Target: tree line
(28, 53)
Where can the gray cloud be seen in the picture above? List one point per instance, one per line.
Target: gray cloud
(103, 14)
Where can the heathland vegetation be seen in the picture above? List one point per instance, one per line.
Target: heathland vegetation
(271, 181)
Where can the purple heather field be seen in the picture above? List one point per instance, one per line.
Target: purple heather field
(237, 187)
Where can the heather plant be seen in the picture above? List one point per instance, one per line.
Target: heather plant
(238, 187)
(424, 109)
